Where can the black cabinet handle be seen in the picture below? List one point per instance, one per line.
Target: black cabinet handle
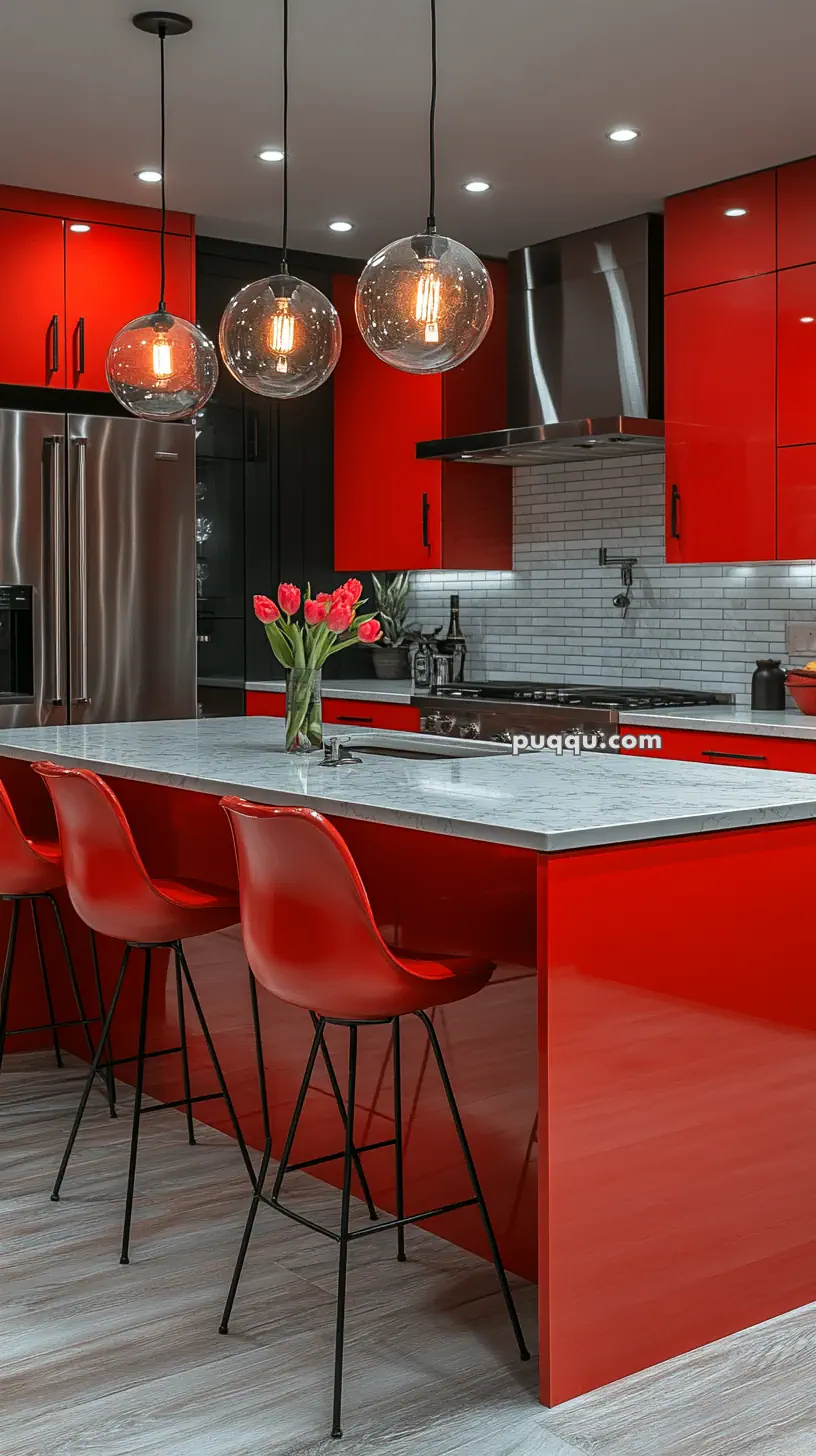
(675, 502)
(743, 757)
(426, 511)
(53, 329)
(252, 435)
(80, 347)
(346, 718)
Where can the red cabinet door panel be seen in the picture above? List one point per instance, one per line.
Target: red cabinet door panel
(703, 245)
(797, 356)
(720, 385)
(796, 503)
(32, 300)
(112, 275)
(796, 213)
(361, 714)
(265, 705)
(386, 502)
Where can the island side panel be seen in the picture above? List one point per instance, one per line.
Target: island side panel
(678, 1099)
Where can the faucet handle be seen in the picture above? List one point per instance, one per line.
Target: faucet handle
(337, 751)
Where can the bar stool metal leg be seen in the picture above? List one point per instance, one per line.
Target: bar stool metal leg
(89, 1081)
(216, 1064)
(400, 1182)
(137, 1112)
(256, 1198)
(46, 983)
(106, 1077)
(185, 1064)
(5, 984)
(345, 1215)
(338, 1097)
(474, 1179)
(110, 1080)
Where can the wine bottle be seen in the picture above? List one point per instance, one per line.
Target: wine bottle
(454, 641)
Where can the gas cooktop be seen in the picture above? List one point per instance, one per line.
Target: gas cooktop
(576, 695)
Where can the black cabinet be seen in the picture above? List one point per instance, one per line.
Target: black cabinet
(265, 483)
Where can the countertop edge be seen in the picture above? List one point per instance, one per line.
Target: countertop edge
(699, 720)
(398, 691)
(540, 842)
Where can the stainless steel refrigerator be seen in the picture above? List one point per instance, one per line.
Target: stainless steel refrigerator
(97, 569)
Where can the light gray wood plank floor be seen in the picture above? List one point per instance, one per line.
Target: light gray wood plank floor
(97, 1358)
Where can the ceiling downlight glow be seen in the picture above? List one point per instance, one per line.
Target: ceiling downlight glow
(806, 319)
(736, 212)
(340, 226)
(477, 186)
(80, 227)
(271, 154)
(623, 134)
(148, 174)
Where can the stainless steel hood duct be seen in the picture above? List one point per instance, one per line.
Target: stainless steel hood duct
(585, 351)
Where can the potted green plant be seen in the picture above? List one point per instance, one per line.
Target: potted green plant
(391, 654)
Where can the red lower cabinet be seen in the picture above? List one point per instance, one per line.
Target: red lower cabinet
(741, 750)
(353, 712)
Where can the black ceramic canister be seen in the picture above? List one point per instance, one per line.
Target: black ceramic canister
(768, 686)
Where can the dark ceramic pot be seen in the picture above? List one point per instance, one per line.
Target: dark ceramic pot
(392, 662)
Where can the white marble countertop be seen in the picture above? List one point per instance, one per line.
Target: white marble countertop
(539, 801)
(364, 689)
(788, 724)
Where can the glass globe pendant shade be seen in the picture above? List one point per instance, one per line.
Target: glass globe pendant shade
(423, 304)
(161, 367)
(280, 337)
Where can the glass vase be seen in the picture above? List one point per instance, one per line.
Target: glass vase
(304, 710)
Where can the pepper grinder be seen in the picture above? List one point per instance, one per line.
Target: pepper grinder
(768, 686)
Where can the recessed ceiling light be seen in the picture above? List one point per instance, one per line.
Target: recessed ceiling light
(80, 227)
(340, 226)
(477, 186)
(149, 174)
(806, 319)
(623, 134)
(736, 211)
(271, 154)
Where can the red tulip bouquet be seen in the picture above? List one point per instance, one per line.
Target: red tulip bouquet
(331, 621)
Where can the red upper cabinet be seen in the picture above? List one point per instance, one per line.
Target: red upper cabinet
(112, 275)
(391, 511)
(32, 268)
(796, 214)
(720, 392)
(65, 293)
(706, 245)
(796, 291)
(796, 503)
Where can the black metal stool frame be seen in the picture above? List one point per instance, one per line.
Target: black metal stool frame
(187, 1101)
(346, 1235)
(52, 1024)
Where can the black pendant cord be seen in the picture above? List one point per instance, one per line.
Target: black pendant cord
(162, 305)
(285, 226)
(430, 226)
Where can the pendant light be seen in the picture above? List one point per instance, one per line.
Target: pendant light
(281, 337)
(424, 304)
(161, 367)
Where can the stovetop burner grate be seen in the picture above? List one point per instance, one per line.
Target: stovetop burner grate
(577, 695)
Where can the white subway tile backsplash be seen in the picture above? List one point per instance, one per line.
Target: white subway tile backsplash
(552, 616)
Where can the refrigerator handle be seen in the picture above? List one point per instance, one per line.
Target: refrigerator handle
(57, 570)
(82, 699)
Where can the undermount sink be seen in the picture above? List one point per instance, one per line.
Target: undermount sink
(421, 747)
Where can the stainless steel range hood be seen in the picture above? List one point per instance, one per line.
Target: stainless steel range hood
(604, 439)
(585, 352)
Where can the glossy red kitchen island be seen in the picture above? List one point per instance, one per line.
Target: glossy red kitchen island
(638, 1079)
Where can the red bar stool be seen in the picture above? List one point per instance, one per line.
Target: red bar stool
(31, 870)
(112, 892)
(311, 939)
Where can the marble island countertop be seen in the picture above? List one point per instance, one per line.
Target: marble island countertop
(538, 801)
(726, 719)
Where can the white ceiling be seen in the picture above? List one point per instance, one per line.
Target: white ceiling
(527, 90)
